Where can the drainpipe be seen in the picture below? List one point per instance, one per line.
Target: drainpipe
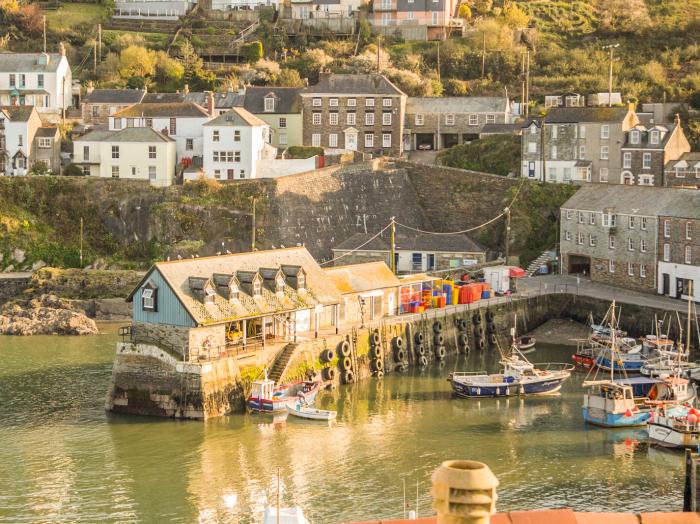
(464, 492)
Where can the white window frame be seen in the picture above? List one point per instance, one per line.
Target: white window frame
(667, 229)
(420, 119)
(350, 119)
(642, 271)
(634, 136)
(646, 161)
(352, 102)
(333, 119)
(333, 102)
(333, 140)
(579, 238)
(387, 102)
(688, 230)
(611, 266)
(473, 120)
(630, 269)
(611, 242)
(591, 240)
(369, 119)
(44, 143)
(630, 244)
(603, 174)
(626, 160)
(369, 140)
(567, 235)
(532, 147)
(643, 223)
(605, 131)
(269, 104)
(316, 140)
(369, 102)
(630, 222)
(316, 119)
(667, 252)
(152, 152)
(642, 245)
(386, 119)
(569, 214)
(490, 119)
(604, 152)
(449, 119)
(386, 140)
(316, 102)
(654, 137)
(688, 255)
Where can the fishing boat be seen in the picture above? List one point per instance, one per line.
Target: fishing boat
(299, 409)
(675, 427)
(519, 377)
(266, 397)
(631, 359)
(526, 342)
(667, 365)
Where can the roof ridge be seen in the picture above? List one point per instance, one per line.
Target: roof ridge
(209, 257)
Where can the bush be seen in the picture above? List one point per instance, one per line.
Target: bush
(73, 170)
(304, 152)
(498, 154)
(252, 52)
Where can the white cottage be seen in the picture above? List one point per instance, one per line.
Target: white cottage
(42, 80)
(181, 121)
(18, 126)
(138, 153)
(234, 143)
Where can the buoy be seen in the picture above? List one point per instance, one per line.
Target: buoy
(692, 418)
(628, 413)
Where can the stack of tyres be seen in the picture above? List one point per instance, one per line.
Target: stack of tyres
(376, 354)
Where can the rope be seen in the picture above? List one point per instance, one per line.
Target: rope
(501, 215)
(356, 248)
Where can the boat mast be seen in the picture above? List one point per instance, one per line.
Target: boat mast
(613, 348)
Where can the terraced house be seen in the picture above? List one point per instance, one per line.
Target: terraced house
(354, 112)
(636, 237)
(577, 144)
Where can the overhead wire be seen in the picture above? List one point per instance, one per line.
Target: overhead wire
(356, 248)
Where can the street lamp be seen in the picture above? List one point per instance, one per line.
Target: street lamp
(610, 77)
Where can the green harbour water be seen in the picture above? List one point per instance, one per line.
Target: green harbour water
(64, 459)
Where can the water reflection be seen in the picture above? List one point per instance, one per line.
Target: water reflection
(63, 458)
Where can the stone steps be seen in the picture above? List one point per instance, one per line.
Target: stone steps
(281, 363)
(537, 263)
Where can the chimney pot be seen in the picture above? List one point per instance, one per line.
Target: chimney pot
(464, 492)
(62, 49)
(186, 89)
(677, 119)
(210, 103)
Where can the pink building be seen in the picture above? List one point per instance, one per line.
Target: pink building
(416, 19)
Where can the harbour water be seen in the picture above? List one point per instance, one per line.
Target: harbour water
(63, 458)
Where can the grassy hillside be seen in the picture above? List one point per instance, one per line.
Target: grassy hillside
(499, 154)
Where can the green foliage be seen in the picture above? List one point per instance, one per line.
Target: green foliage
(304, 151)
(252, 52)
(73, 170)
(498, 154)
(39, 168)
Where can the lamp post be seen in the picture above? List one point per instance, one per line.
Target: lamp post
(610, 76)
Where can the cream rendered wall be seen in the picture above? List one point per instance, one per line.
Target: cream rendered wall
(293, 130)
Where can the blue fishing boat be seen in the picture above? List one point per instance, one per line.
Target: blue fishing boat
(631, 360)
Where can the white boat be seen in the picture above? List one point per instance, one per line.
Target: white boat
(299, 409)
(286, 516)
(675, 427)
(667, 365)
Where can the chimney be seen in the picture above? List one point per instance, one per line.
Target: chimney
(677, 119)
(631, 106)
(210, 103)
(464, 492)
(62, 49)
(145, 89)
(186, 89)
(90, 87)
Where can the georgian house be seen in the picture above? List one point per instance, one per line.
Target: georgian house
(19, 144)
(42, 80)
(279, 108)
(166, 10)
(648, 147)
(578, 144)
(565, 100)
(181, 121)
(683, 172)
(133, 153)
(354, 112)
(417, 19)
(679, 247)
(234, 144)
(635, 237)
(99, 104)
(442, 122)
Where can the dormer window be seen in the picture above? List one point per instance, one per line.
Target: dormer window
(269, 104)
(279, 284)
(634, 136)
(301, 280)
(257, 287)
(149, 298)
(233, 292)
(209, 295)
(654, 136)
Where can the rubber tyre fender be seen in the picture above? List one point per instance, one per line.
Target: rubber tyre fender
(328, 373)
(377, 365)
(437, 327)
(327, 355)
(463, 339)
(420, 349)
(479, 343)
(439, 339)
(418, 338)
(398, 343)
(375, 338)
(399, 355)
(349, 377)
(375, 352)
(422, 361)
(476, 318)
(440, 352)
(344, 349)
(491, 327)
(492, 339)
(346, 364)
(479, 331)
(461, 324)
(490, 315)
(379, 374)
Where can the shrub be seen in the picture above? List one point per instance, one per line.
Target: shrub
(304, 152)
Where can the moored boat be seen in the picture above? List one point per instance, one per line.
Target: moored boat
(675, 427)
(297, 408)
(526, 342)
(266, 397)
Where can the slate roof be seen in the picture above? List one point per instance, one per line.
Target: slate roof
(501, 129)
(637, 200)
(115, 96)
(163, 98)
(18, 113)
(457, 104)
(412, 242)
(644, 138)
(287, 99)
(46, 132)
(27, 62)
(163, 110)
(690, 158)
(358, 278)
(129, 134)
(236, 117)
(177, 273)
(346, 84)
(225, 100)
(572, 115)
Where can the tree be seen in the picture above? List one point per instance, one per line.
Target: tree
(623, 15)
(190, 62)
(514, 17)
(252, 52)
(464, 12)
(136, 61)
(169, 71)
(39, 168)
(289, 78)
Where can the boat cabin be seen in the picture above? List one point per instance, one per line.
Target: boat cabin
(609, 397)
(264, 389)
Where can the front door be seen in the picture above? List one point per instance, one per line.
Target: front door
(351, 141)
(431, 261)
(666, 284)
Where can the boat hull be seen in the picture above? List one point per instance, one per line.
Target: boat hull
(584, 361)
(634, 366)
(267, 405)
(543, 387)
(598, 417)
(672, 438)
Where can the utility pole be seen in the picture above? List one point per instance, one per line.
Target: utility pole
(252, 243)
(483, 56)
(44, 24)
(379, 47)
(81, 242)
(99, 42)
(527, 84)
(610, 75)
(393, 245)
(544, 155)
(94, 57)
(522, 83)
(438, 60)
(507, 249)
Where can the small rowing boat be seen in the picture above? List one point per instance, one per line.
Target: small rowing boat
(526, 342)
(301, 410)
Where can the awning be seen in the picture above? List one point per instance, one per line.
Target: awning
(517, 272)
